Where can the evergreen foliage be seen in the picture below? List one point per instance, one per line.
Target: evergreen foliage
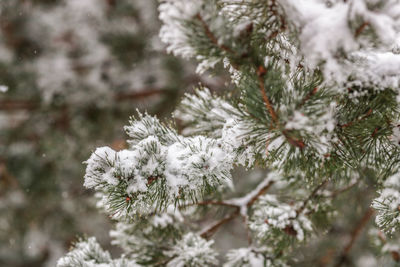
(316, 102)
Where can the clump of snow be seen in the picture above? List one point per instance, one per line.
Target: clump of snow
(271, 214)
(172, 12)
(164, 164)
(206, 113)
(194, 251)
(330, 31)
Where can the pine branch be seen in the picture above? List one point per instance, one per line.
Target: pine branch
(342, 190)
(311, 196)
(261, 71)
(368, 113)
(248, 200)
(308, 96)
(209, 231)
(213, 203)
(241, 205)
(146, 92)
(260, 190)
(212, 37)
(11, 105)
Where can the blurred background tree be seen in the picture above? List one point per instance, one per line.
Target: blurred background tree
(72, 72)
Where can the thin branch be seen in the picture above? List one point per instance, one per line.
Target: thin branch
(12, 104)
(354, 235)
(342, 190)
(241, 205)
(360, 29)
(368, 113)
(209, 231)
(211, 36)
(308, 96)
(249, 199)
(261, 71)
(245, 220)
(211, 202)
(311, 196)
(293, 141)
(7, 177)
(261, 191)
(146, 92)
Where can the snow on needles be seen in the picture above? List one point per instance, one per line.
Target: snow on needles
(194, 251)
(89, 253)
(388, 205)
(327, 32)
(157, 169)
(272, 214)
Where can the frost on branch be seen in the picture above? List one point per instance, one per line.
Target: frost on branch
(272, 217)
(160, 168)
(388, 205)
(204, 113)
(194, 251)
(332, 31)
(88, 253)
(192, 29)
(183, 22)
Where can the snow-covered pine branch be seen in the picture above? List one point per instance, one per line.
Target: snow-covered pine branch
(159, 169)
(315, 100)
(88, 253)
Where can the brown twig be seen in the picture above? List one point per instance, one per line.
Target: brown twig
(308, 96)
(360, 29)
(342, 190)
(261, 71)
(13, 104)
(293, 141)
(354, 235)
(7, 177)
(368, 113)
(211, 36)
(259, 193)
(240, 204)
(208, 232)
(311, 196)
(211, 202)
(146, 92)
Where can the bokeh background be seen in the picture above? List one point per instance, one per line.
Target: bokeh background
(71, 74)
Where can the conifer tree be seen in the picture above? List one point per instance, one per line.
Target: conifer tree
(315, 109)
